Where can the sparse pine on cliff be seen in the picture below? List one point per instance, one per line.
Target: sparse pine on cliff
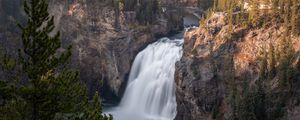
(265, 84)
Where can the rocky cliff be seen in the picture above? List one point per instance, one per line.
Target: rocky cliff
(105, 43)
(202, 73)
(104, 39)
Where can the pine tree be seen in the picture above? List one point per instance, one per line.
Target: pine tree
(94, 110)
(230, 15)
(263, 66)
(40, 61)
(7, 63)
(272, 61)
(229, 76)
(294, 17)
(10, 104)
(285, 69)
(254, 12)
(246, 108)
(260, 101)
(286, 52)
(52, 89)
(259, 93)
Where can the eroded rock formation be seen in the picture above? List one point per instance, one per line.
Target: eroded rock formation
(201, 73)
(104, 39)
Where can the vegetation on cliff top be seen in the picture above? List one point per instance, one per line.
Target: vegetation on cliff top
(279, 63)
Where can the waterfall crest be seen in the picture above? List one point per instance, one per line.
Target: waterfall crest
(150, 91)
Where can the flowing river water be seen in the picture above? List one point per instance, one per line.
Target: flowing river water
(150, 91)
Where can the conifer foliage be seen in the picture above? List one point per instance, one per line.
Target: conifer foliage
(257, 13)
(51, 90)
(261, 101)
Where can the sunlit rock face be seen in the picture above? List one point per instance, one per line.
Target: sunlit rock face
(201, 73)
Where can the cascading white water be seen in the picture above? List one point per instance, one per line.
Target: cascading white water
(150, 92)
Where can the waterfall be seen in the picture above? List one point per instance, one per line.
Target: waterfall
(150, 91)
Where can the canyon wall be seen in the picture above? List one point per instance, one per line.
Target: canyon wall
(210, 52)
(105, 40)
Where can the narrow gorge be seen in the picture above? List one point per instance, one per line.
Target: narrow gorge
(150, 59)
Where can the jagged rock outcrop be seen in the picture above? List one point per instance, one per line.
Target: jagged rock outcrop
(201, 73)
(104, 41)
